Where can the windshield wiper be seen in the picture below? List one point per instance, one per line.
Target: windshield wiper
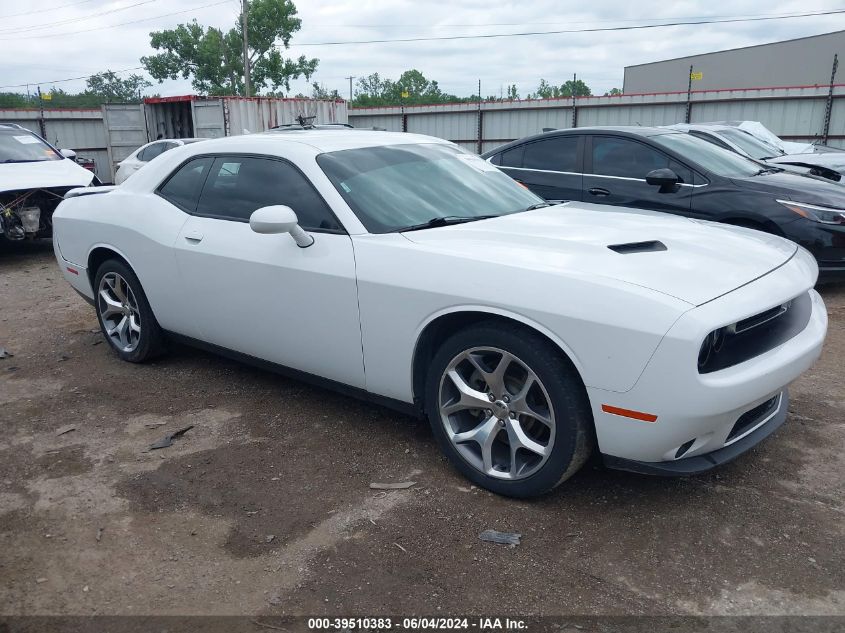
(538, 205)
(443, 221)
(24, 160)
(768, 170)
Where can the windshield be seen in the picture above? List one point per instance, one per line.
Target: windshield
(752, 146)
(394, 187)
(720, 161)
(22, 146)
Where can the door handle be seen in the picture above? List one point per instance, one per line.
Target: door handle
(195, 237)
(598, 191)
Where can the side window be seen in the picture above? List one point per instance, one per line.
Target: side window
(631, 159)
(238, 185)
(184, 185)
(151, 152)
(512, 157)
(558, 153)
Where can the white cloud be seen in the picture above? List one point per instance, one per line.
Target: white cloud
(597, 58)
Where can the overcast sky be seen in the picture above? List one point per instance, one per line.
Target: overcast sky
(75, 42)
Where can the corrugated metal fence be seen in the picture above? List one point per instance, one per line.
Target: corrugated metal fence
(796, 114)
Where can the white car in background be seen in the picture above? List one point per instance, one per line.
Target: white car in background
(403, 269)
(829, 165)
(146, 153)
(34, 176)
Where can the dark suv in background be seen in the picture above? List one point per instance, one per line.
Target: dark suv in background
(675, 172)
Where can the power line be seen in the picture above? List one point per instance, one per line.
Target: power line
(547, 22)
(112, 26)
(59, 81)
(46, 25)
(61, 6)
(635, 27)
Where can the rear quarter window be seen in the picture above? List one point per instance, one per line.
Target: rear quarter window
(184, 185)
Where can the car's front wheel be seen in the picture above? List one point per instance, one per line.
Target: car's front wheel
(124, 313)
(508, 409)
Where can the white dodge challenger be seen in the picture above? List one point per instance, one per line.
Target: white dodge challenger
(403, 269)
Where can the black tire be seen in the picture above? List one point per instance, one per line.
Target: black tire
(574, 431)
(151, 342)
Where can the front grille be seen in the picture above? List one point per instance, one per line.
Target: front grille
(760, 319)
(752, 418)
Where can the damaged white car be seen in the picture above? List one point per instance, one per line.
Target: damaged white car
(34, 177)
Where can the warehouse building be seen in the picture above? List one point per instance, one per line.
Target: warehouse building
(806, 61)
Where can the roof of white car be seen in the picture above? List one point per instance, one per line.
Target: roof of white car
(321, 140)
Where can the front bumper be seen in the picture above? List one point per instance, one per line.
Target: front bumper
(827, 244)
(696, 414)
(702, 463)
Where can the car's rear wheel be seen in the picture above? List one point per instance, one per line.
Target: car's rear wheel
(125, 316)
(508, 409)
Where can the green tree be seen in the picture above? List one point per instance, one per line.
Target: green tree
(215, 60)
(613, 92)
(513, 93)
(548, 91)
(544, 91)
(577, 88)
(372, 90)
(319, 91)
(110, 88)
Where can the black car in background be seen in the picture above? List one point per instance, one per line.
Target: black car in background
(675, 172)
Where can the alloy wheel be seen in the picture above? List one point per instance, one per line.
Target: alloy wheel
(497, 413)
(119, 312)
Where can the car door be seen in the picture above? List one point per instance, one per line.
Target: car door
(615, 174)
(262, 295)
(550, 167)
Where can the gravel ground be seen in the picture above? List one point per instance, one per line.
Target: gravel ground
(264, 507)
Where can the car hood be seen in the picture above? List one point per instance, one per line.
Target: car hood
(701, 260)
(45, 174)
(830, 160)
(798, 187)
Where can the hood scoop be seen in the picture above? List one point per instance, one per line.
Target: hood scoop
(651, 246)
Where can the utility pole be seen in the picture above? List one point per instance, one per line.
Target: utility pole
(42, 126)
(479, 132)
(829, 104)
(350, 87)
(244, 12)
(574, 107)
(688, 111)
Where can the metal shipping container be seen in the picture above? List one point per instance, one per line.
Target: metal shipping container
(127, 127)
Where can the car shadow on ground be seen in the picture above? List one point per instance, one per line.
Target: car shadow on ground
(14, 253)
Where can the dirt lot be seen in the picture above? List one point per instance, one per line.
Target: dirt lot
(264, 506)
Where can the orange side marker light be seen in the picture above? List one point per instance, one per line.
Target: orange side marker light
(629, 413)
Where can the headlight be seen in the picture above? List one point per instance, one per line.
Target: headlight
(712, 345)
(816, 213)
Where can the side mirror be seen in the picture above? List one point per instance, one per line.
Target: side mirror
(664, 178)
(279, 219)
(68, 153)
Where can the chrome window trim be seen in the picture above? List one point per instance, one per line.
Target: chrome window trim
(680, 184)
(577, 173)
(543, 171)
